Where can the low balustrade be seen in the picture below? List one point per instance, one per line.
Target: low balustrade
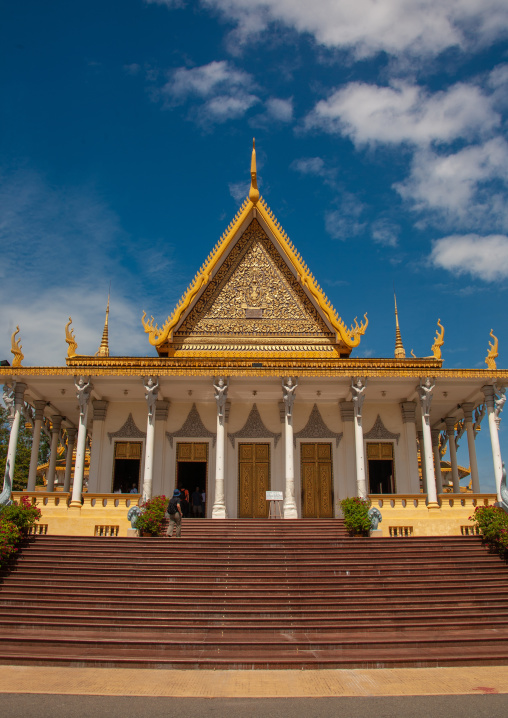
(419, 501)
(112, 502)
(49, 499)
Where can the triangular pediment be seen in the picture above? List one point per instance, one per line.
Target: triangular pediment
(255, 296)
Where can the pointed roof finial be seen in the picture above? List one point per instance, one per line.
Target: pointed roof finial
(104, 347)
(253, 192)
(400, 352)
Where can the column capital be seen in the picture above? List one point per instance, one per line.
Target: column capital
(489, 392)
(450, 422)
(56, 423)
(467, 409)
(100, 409)
(19, 392)
(435, 433)
(162, 409)
(347, 410)
(39, 406)
(71, 434)
(408, 409)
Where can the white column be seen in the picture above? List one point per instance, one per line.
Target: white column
(151, 385)
(56, 425)
(425, 392)
(408, 410)
(288, 393)
(161, 417)
(450, 422)
(347, 414)
(99, 412)
(83, 389)
(490, 395)
(437, 460)
(422, 462)
(19, 398)
(221, 385)
(36, 441)
(71, 440)
(358, 385)
(473, 464)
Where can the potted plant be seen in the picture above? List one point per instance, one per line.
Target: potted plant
(150, 522)
(356, 516)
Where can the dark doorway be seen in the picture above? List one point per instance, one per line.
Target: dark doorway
(127, 466)
(190, 475)
(381, 476)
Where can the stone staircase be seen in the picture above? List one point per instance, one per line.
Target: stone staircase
(255, 594)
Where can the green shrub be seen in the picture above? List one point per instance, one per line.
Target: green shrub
(493, 524)
(152, 515)
(356, 516)
(10, 536)
(23, 514)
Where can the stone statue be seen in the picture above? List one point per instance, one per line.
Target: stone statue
(152, 391)
(478, 418)
(375, 518)
(83, 390)
(221, 395)
(5, 496)
(132, 515)
(425, 391)
(499, 401)
(9, 398)
(358, 386)
(288, 391)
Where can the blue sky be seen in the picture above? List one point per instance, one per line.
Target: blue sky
(125, 139)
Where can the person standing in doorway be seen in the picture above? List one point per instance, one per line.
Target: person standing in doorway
(197, 503)
(175, 515)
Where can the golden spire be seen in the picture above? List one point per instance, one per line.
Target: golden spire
(490, 359)
(16, 349)
(104, 347)
(253, 192)
(399, 347)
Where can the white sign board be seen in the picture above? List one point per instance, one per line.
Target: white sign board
(274, 496)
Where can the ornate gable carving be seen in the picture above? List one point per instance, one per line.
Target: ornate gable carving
(128, 431)
(254, 294)
(316, 428)
(193, 428)
(254, 428)
(379, 431)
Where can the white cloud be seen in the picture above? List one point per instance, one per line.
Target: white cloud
(279, 109)
(225, 92)
(466, 187)
(60, 248)
(366, 27)
(385, 232)
(239, 190)
(404, 113)
(482, 257)
(343, 225)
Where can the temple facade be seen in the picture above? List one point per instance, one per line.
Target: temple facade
(252, 387)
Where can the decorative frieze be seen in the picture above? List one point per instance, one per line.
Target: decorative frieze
(128, 431)
(254, 428)
(316, 428)
(192, 428)
(379, 431)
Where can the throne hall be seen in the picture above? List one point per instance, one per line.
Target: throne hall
(252, 386)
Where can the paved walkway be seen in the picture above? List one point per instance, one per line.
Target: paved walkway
(254, 684)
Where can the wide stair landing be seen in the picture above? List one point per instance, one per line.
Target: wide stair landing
(255, 594)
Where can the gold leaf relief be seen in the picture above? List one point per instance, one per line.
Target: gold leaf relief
(254, 292)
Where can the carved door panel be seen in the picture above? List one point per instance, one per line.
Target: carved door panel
(317, 480)
(254, 480)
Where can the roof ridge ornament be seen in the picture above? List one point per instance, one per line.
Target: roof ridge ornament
(71, 340)
(490, 359)
(254, 191)
(16, 349)
(438, 341)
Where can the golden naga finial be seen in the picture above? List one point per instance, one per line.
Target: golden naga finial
(438, 341)
(71, 340)
(400, 352)
(253, 192)
(16, 349)
(490, 359)
(103, 350)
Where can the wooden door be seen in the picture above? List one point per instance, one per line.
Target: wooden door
(254, 480)
(317, 483)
